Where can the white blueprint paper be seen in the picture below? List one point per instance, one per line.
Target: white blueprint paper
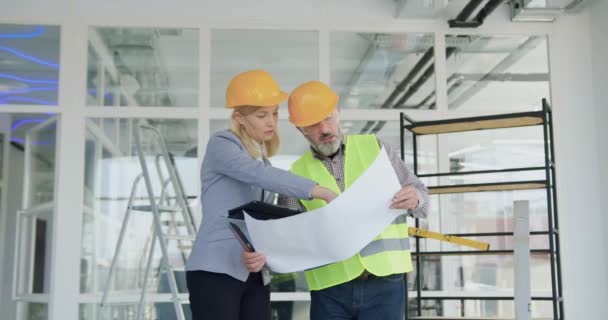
(334, 232)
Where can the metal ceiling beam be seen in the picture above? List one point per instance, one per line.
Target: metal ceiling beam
(356, 76)
(513, 77)
(500, 68)
(107, 60)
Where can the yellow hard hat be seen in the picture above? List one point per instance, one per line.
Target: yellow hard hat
(253, 88)
(310, 103)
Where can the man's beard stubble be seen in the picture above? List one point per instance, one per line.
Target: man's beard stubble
(328, 149)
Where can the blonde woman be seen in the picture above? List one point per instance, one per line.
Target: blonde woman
(225, 282)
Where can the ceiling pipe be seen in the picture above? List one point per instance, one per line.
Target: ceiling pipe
(426, 58)
(468, 10)
(461, 21)
(428, 73)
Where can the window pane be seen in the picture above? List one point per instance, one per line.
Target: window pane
(477, 309)
(111, 181)
(379, 70)
(292, 57)
(29, 64)
(127, 311)
(485, 211)
(281, 310)
(29, 146)
(488, 150)
(36, 311)
(478, 274)
(148, 67)
(496, 74)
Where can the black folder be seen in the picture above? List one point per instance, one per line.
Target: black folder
(261, 211)
(258, 210)
(241, 237)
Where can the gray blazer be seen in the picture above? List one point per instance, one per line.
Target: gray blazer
(230, 178)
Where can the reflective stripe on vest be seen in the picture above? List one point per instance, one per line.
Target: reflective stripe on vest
(389, 252)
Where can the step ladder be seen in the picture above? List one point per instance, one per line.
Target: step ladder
(159, 209)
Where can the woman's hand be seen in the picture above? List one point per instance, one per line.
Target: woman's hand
(323, 193)
(254, 261)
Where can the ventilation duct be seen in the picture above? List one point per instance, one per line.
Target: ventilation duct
(544, 10)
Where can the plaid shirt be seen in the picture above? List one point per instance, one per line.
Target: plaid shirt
(335, 166)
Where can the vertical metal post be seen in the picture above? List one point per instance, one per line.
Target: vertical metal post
(402, 137)
(550, 209)
(521, 256)
(555, 232)
(417, 223)
(142, 298)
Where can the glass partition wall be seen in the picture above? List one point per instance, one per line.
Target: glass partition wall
(29, 87)
(173, 79)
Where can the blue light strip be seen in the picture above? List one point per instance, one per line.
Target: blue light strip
(21, 122)
(30, 58)
(4, 94)
(6, 100)
(38, 30)
(20, 79)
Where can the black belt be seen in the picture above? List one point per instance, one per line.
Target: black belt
(366, 276)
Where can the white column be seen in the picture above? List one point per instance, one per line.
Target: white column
(521, 268)
(69, 183)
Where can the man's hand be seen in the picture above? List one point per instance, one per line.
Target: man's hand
(406, 198)
(323, 193)
(254, 261)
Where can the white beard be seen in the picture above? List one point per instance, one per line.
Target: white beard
(327, 149)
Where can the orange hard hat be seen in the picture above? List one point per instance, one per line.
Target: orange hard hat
(310, 103)
(253, 88)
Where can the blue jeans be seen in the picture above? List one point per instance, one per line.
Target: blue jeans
(371, 299)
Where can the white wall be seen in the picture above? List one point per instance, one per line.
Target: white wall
(576, 140)
(599, 48)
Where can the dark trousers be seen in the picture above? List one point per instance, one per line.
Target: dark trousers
(216, 296)
(371, 299)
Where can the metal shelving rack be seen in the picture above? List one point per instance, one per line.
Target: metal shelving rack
(543, 118)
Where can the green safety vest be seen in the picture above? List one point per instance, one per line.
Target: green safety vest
(388, 253)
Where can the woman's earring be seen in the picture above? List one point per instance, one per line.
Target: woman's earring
(243, 126)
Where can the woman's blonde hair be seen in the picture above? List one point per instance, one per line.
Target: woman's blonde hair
(267, 149)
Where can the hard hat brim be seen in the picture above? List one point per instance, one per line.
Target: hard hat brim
(268, 102)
